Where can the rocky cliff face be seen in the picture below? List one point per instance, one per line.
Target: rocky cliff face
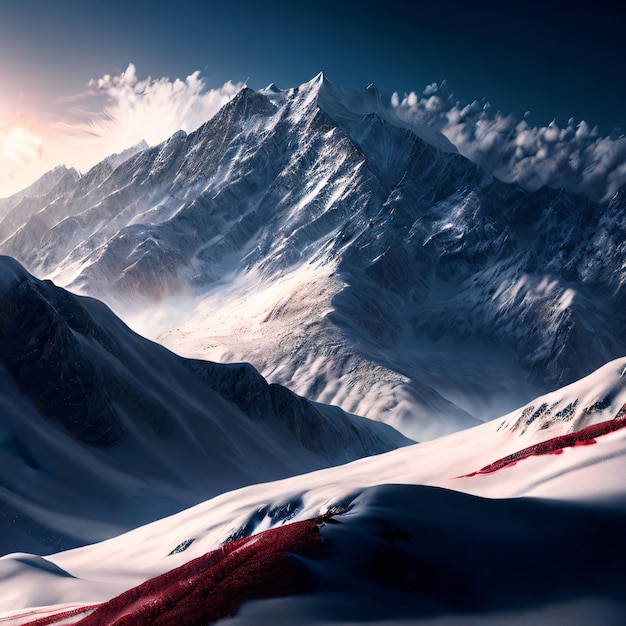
(344, 253)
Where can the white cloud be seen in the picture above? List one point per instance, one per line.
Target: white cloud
(153, 109)
(574, 157)
(114, 113)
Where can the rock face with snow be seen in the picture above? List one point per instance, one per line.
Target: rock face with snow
(353, 257)
(100, 424)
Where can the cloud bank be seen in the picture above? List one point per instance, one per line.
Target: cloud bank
(114, 113)
(574, 157)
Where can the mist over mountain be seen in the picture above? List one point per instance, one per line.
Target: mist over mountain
(350, 255)
(103, 430)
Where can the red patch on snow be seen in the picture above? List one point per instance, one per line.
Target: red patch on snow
(584, 437)
(215, 585)
(585, 442)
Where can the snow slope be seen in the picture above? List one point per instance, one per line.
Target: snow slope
(102, 430)
(345, 253)
(458, 546)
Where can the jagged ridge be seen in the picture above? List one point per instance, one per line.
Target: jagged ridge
(433, 288)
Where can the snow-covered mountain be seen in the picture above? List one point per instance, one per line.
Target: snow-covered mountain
(407, 541)
(345, 253)
(361, 260)
(102, 430)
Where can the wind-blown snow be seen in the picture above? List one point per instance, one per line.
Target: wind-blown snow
(112, 114)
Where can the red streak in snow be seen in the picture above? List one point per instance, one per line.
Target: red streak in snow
(584, 437)
(57, 617)
(215, 585)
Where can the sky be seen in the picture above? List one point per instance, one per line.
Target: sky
(80, 79)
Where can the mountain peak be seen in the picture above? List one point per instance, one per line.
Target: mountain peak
(316, 83)
(271, 88)
(350, 107)
(43, 184)
(115, 160)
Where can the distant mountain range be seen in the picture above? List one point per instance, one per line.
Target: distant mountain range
(353, 257)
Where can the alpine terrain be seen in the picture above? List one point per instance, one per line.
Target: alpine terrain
(354, 258)
(378, 384)
(103, 430)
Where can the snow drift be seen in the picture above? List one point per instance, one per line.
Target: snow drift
(414, 536)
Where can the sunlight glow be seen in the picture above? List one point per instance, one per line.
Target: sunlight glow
(20, 142)
(21, 149)
(112, 114)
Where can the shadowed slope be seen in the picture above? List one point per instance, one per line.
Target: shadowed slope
(402, 553)
(102, 430)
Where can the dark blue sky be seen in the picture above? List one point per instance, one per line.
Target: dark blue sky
(554, 58)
